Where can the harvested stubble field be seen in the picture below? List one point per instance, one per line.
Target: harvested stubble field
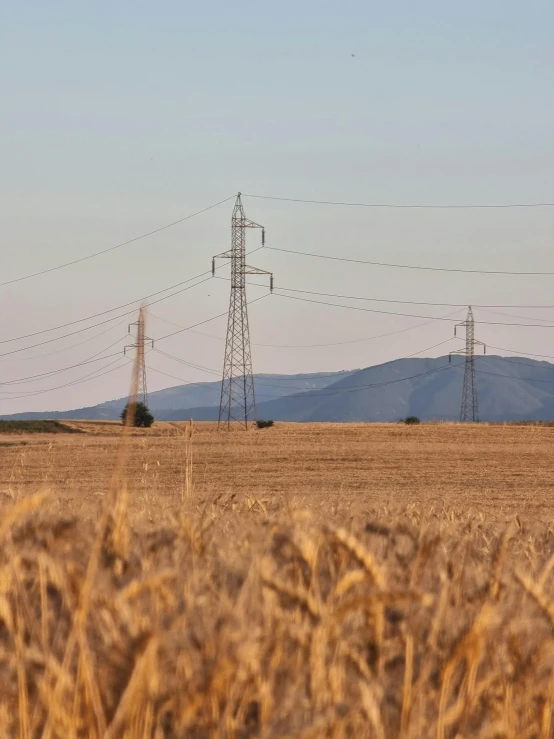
(301, 581)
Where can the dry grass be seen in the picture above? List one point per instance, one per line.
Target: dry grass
(494, 471)
(320, 581)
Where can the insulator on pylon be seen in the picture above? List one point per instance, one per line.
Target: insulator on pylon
(454, 330)
(484, 348)
(271, 283)
(213, 266)
(450, 359)
(263, 236)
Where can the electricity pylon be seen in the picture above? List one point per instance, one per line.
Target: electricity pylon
(238, 398)
(139, 345)
(470, 408)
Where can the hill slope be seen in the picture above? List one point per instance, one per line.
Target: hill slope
(508, 389)
(205, 394)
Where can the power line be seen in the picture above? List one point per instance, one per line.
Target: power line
(312, 394)
(410, 302)
(407, 266)
(292, 379)
(110, 310)
(526, 364)
(260, 377)
(314, 346)
(210, 387)
(514, 377)
(79, 331)
(188, 364)
(113, 248)
(33, 378)
(406, 315)
(72, 346)
(201, 323)
(86, 378)
(431, 206)
(214, 387)
(521, 353)
(513, 315)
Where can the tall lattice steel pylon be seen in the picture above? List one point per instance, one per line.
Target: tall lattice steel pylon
(238, 398)
(139, 345)
(470, 407)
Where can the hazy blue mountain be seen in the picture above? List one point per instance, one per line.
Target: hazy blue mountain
(509, 388)
(268, 387)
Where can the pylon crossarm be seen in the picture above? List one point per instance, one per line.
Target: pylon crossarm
(224, 255)
(245, 223)
(255, 271)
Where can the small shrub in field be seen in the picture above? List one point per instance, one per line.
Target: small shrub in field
(412, 420)
(264, 424)
(143, 417)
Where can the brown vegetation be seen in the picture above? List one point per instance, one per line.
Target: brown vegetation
(304, 581)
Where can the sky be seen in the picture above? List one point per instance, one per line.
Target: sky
(119, 118)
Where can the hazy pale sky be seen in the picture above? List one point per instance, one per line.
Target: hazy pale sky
(117, 118)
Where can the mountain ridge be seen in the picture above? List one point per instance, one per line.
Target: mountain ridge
(509, 388)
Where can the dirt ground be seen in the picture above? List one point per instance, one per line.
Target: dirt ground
(494, 471)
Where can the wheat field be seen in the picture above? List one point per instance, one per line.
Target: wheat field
(301, 581)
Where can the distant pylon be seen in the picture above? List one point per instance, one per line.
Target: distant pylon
(139, 345)
(470, 407)
(238, 398)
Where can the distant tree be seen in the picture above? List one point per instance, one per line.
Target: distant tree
(143, 417)
(411, 420)
(264, 424)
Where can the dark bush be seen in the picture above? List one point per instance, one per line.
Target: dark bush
(143, 417)
(264, 424)
(411, 420)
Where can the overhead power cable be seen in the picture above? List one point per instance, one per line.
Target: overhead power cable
(67, 348)
(411, 302)
(521, 353)
(406, 315)
(303, 389)
(33, 378)
(513, 315)
(261, 377)
(87, 328)
(408, 266)
(313, 346)
(339, 391)
(188, 364)
(210, 386)
(113, 248)
(525, 364)
(413, 206)
(514, 377)
(110, 310)
(86, 378)
(201, 323)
